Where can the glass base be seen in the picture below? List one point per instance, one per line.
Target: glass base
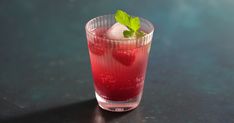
(118, 106)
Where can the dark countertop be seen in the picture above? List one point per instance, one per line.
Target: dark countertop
(45, 74)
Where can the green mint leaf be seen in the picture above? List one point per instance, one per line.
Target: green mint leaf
(128, 34)
(122, 17)
(140, 34)
(135, 24)
(132, 23)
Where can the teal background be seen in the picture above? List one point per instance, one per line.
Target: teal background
(45, 72)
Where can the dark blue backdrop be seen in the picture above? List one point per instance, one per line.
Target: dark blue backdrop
(45, 73)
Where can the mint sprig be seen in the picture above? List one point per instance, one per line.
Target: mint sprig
(132, 23)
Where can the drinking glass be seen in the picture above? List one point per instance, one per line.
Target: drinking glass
(118, 65)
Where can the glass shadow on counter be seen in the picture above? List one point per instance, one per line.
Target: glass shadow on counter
(82, 112)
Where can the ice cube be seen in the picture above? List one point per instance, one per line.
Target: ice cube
(116, 31)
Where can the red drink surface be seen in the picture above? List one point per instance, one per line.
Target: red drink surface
(118, 71)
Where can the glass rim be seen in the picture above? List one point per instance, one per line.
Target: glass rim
(119, 40)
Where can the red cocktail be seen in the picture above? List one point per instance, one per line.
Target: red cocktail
(118, 65)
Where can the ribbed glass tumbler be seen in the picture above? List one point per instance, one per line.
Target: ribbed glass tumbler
(118, 65)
